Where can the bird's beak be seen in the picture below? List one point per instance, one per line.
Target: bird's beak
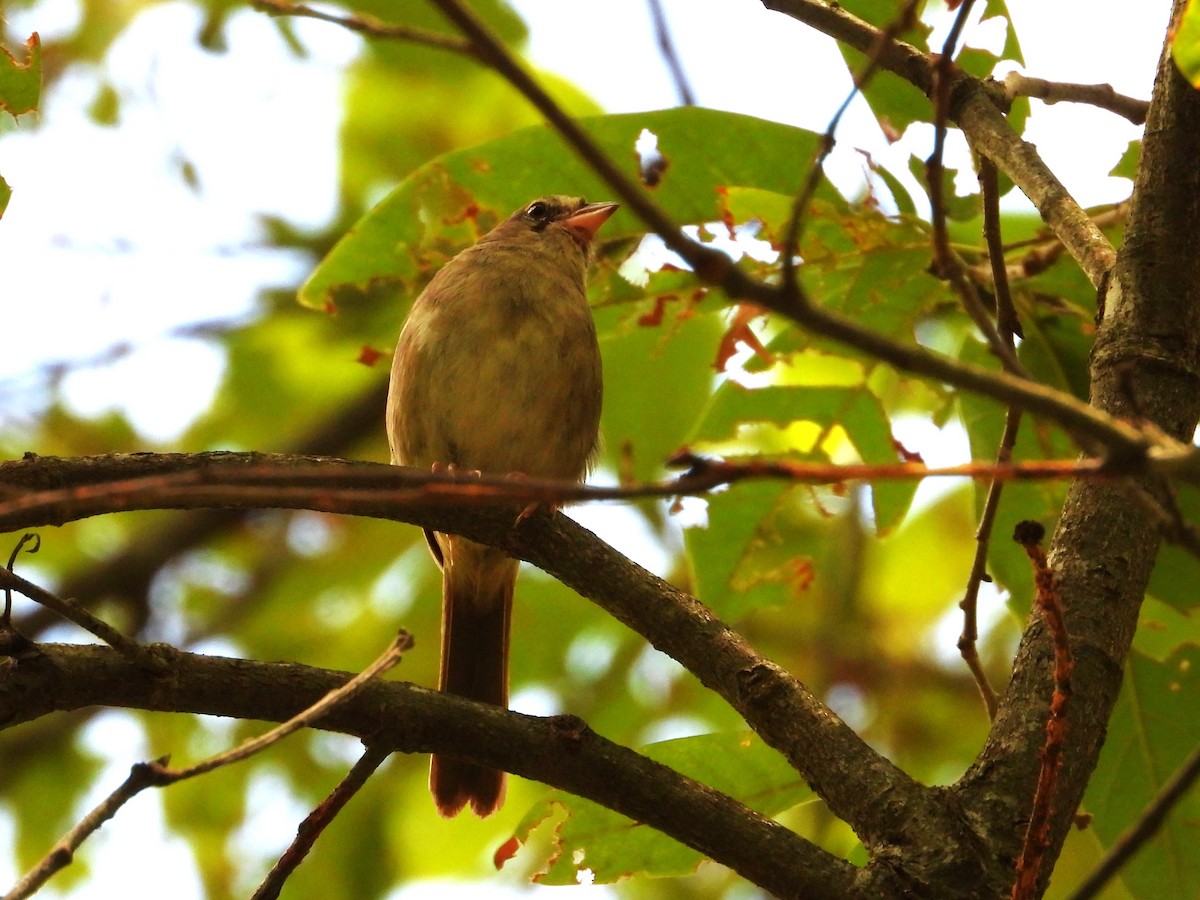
(586, 221)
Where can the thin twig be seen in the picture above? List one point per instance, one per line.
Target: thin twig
(368, 25)
(1100, 95)
(158, 774)
(28, 538)
(1049, 603)
(318, 820)
(249, 747)
(949, 265)
(968, 640)
(1007, 320)
(140, 654)
(666, 46)
(189, 481)
(1151, 819)
(1009, 326)
(816, 169)
(141, 776)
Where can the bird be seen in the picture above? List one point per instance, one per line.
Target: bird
(497, 370)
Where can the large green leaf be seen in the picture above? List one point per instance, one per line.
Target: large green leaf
(1153, 729)
(444, 205)
(594, 838)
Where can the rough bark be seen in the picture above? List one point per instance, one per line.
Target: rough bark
(1144, 365)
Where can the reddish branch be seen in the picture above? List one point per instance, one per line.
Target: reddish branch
(88, 486)
(318, 820)
(1049, 602)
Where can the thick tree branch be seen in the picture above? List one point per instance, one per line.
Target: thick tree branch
(561, 751)
(1146, 362)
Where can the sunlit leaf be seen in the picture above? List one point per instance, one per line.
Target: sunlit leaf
(446, 204)
(21, 82)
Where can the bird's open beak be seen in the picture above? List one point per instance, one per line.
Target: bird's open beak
(587, 220)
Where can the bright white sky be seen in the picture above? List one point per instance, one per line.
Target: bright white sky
(100, 226)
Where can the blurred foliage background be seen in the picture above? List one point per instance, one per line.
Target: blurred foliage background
(853, 589)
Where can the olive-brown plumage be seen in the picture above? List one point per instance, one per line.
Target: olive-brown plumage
(497, 369)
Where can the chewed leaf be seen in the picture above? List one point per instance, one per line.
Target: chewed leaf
(21, 82)
(443, 205)
(605, 846)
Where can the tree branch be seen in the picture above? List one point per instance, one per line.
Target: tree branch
(1105, 546)
(561, 751)
(1099, 95)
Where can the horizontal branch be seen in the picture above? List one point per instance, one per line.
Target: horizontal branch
(1099, 95)
(125, 482)
(560, 751)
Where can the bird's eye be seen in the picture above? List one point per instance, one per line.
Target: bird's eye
(537, 210)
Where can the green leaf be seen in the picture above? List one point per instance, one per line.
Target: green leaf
(640, 436)
(5, 196)
(1185, 43)
(894, 101)
(610, 846)
(854, 410)
(1127, 165)
(1173, 580)
(21, 83)
(446, 204)
(1153, 730)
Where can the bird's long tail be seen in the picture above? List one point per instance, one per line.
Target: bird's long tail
(477, 593)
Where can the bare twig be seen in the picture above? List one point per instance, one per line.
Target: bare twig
(249, 747)
(157, 773)
(949, 265)
(28, 538)
(141, 776)
(967, 641)
(816, 169)
(666, 46)
(1101, 95)
(1049, 603)
(1151, 819)
(368, 25)
(70, 610)
(318, 820)
(1008, 325)
(1007, 320)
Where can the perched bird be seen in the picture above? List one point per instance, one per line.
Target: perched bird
(497, 370)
